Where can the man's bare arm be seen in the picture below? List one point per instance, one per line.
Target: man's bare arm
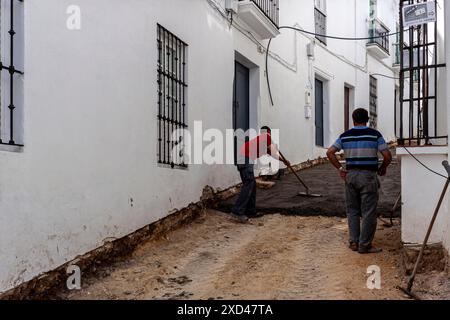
(331, 154)
(275, 153)
(387, 160)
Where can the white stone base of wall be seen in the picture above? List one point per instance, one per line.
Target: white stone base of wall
(421, 190)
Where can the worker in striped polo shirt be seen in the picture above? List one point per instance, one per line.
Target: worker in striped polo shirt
(361, 146)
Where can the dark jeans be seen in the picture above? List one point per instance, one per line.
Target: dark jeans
(246, 202)
(362, 200)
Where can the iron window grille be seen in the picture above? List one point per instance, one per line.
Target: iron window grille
(397, 46)
(321, 25)
(373, 108)
(172, 98)
(13, 73)
(420, 64)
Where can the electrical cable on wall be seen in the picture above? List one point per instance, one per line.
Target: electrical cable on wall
(317, 35)
(339, 38)
(383, 75)
(423, 165)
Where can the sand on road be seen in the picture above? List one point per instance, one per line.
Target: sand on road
(274, 257)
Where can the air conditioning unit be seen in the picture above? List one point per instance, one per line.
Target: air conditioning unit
(232, 6)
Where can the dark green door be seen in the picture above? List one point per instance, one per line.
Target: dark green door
(241, 104)
(319, 113)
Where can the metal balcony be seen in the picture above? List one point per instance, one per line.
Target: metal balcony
(261, 15)
(379, 44)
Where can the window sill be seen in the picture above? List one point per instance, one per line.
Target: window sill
(10, 148)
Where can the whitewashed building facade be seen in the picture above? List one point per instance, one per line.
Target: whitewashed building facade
(98, 86)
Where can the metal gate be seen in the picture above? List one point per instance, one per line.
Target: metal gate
(420, 65)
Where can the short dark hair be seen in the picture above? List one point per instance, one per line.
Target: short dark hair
(266, 128)
(360, 115)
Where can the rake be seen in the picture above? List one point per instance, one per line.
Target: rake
(308, 192)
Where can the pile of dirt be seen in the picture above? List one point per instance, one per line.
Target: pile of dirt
(283, 197)
(434, 258)
(433, 285)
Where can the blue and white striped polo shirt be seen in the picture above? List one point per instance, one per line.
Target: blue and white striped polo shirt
(361, 146)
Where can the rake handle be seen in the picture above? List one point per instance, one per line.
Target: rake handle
(294, 172)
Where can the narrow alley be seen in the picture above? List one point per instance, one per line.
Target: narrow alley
(216, 150)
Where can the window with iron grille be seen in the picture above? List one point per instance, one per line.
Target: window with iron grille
(397, 46)
(320, 19)
(172, 99)
(373, 109)
(11, 62)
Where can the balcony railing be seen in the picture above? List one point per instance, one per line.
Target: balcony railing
(320, 20)
(379, 35)
(270, 8)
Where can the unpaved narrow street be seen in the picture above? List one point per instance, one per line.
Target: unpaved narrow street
(274, 257)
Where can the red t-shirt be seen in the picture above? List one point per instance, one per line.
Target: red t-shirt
(257, 147)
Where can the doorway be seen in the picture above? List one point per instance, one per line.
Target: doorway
(347, 109)
(319, 113)
(241, 104)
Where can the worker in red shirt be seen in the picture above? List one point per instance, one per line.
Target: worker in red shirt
(245, 206)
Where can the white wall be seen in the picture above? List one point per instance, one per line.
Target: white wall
(90, 128)
(90, 116)
(420, 194)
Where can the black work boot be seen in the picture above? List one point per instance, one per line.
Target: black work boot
(240, 218)
(353, 246)
(369, 250)
(256, 215)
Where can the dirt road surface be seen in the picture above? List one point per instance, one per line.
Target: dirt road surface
(274, 257)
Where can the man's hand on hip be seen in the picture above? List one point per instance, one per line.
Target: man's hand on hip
(343, 173)
(382, 172)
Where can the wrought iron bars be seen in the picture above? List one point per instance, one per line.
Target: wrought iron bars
(373, 102)
(379, 35)
(12, 73)
(418, 109)
(320, 20)
(172, 98)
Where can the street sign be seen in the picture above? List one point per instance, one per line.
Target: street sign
(419, 13)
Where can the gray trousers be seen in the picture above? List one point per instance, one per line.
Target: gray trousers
(246, 202)
(362, 199)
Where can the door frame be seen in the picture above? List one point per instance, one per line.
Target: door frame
(254, 93)
(254, 89)
(326, 79)
(318, 143)
(351, 106)
(237, 138)
(236, 64)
